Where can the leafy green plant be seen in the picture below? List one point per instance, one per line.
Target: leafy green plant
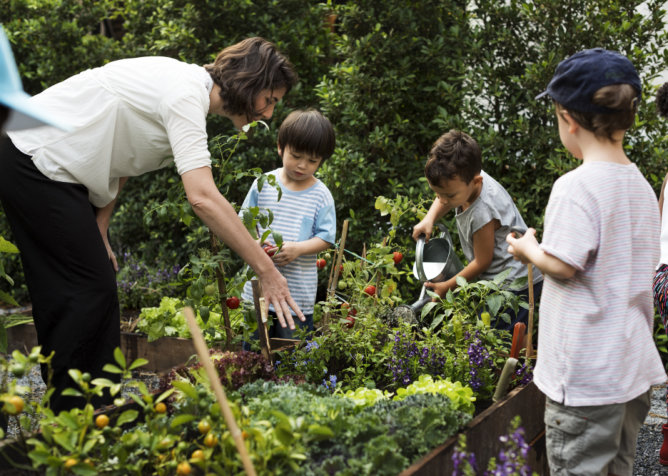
(460, 395)
(469, 300)
(168, 320)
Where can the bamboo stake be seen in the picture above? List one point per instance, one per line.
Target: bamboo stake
(214, 379)
(529, 352)
(334, 277)
(339, 259)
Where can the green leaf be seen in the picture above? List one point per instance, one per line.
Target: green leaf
(128, 416)
(66, 440)
(181, 419)
(120, 358)
(186, 388)
(7, 298)
(494, 303)
(138, 363)
(7, 247)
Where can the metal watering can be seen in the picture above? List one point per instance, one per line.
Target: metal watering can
(435, 261)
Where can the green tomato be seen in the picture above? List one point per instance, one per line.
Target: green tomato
(210, 289)
(342, 284)
(204, 313)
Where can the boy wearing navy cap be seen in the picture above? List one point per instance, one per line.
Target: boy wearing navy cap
(596, 354)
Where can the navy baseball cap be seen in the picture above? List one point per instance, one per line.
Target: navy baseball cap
(578, 77)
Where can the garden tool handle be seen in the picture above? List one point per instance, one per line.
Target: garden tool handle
(504, 379)
(517, 232)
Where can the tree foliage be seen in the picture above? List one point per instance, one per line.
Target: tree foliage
(392, 76)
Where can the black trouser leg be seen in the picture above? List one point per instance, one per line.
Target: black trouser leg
(71, 281)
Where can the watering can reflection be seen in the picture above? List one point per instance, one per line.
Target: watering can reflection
(435, 261)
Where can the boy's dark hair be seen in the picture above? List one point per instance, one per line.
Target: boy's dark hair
(454, 154)
(246, 68)
(662, 100)
(309, 132)
(622, 98)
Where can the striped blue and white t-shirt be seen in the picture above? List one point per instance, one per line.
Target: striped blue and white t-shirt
(298, 216)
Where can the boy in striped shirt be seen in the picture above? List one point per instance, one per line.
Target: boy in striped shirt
(596, 355)
(304, 215)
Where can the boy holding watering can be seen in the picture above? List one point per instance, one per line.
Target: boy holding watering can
(597, 359)
(484, 212)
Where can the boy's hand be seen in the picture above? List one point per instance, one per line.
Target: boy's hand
(521, 247)
(288, 253)
(439, 288)
(425, 228)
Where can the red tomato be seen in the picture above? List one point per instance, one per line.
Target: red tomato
(351, 310)
(397, 257)
(232, 302)
(370, 290)
(269, 249)
(320, 263)
(350, 322)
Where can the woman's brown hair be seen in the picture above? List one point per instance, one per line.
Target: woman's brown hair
(246, 68)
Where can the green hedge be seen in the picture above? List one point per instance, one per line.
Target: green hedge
(392, 77)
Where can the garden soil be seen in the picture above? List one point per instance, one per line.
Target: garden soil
(647, 452)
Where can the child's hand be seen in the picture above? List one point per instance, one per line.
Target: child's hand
(423, 228)
(439, 288)
(289, 252)
(520, 248)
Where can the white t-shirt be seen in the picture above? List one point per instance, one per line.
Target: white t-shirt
(129, 117)
(595, 344)
(298, 216)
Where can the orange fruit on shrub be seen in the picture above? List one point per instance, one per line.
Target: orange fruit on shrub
(204, 426)
(183, 468)
(197, 455)
(210, 440)
(101, 421)
(160, 407)
(69, 462)
(14, 405)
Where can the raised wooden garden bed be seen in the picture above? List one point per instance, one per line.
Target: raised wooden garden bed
(162, 354)
(482, 434)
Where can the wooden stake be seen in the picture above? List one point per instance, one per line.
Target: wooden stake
(214, 379)
(261, 317)
(339, 259)
(222, 290)
(529, 352)
(334, 274)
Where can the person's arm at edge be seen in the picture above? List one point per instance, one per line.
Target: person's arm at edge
(221, 218)
(103, 217)
(527, 250)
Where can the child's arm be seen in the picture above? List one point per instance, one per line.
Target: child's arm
(435, 213)
(483, 253)
(292, 250)
(526, 249)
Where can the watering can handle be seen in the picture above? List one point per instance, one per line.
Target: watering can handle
(419, 251)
